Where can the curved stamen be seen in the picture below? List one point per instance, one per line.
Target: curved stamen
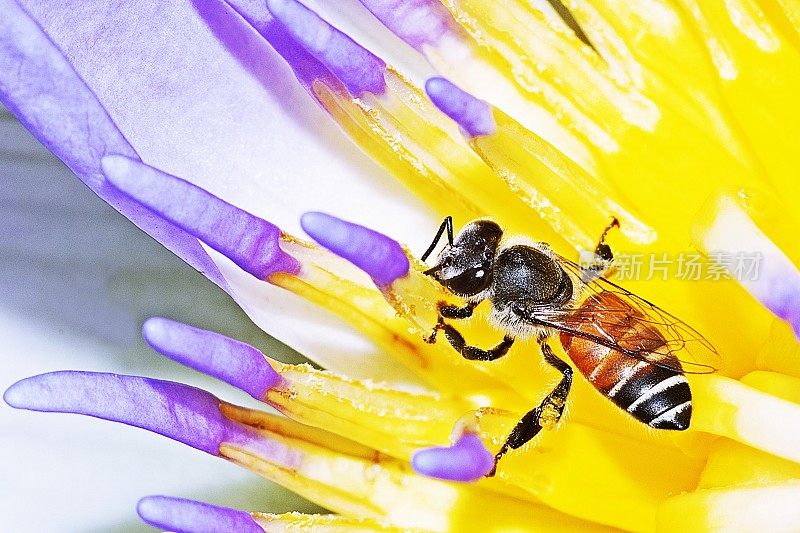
(466, 460)
(356, 67)
(248, 241)
(473, 115)
(182, 515)
(374, 253)
(231, 361)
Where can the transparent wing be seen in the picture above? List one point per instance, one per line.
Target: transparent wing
(608, 315)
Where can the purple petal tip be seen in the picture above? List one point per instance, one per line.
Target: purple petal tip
(374, 253)
(229, 360)
(177, 411)
(188, 516)
(473, 115)
(466, 460)
(250, 242)
(359, 70)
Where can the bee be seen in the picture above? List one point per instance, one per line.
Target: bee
(625, 346)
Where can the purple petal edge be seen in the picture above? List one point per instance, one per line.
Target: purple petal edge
(188, 516)
(374, 253)
(34, 77)
(466, 460)
(357, 68)
(250, 242)
(177, 411)
(473, 115)
(417, 22)
(229, 360)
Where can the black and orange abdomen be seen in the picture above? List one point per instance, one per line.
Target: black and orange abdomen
(658, 396)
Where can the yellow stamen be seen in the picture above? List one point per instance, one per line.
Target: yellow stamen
(356, 481)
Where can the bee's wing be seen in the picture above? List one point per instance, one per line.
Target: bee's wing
(611, 316)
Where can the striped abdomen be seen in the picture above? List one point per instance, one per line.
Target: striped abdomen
(658, 396)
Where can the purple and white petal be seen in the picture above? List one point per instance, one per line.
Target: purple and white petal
(229, 360)
(381, 257)
(250, 242)
(473, 115)
(177, 411)
(359, 70)
(419, 23)
(180, 412)
(188, 516)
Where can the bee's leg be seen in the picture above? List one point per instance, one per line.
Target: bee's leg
(453, 311)
(602, 250)
(447, 224)
(449, 311)
(546, 414)
(603, 256)
(472, 353)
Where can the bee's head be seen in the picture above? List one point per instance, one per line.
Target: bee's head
(465, 267)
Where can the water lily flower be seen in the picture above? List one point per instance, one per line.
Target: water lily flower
(550, 118)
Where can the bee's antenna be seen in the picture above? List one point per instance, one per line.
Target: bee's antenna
(447, 224)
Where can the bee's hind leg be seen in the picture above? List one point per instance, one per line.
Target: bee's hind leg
(546, 414)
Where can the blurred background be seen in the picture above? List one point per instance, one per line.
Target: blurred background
(76, 281)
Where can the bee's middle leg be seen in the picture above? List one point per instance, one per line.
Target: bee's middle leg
(449, 311)
(473, 353)
(546, 414)
(453, 311)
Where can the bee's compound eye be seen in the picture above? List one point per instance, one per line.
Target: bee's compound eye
(487, 255)
(469, 282)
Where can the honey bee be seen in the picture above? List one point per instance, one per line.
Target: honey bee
(625, 346)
